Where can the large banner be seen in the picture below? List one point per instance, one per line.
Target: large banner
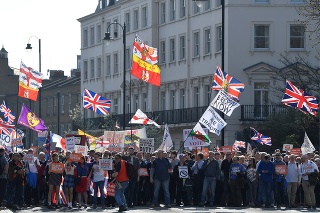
(224, 103)
(136, 135)
(193, 141)
(212, 120)
(115, 139)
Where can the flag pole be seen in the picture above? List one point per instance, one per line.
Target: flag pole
(251, 139)
(184, 142)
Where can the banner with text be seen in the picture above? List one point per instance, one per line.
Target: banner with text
(116, 140)
(147, 145)
(212, 120)
(224, 103)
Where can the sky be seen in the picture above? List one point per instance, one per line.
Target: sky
(52, 21)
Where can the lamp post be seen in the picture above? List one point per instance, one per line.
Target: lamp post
(107, 38)
(29, 49)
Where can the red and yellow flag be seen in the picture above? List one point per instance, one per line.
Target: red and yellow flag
(147, 72)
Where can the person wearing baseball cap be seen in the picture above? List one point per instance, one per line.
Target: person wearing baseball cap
(4, 165)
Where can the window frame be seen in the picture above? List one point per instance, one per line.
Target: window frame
(115, 63)
(182, 48)
(172, 48)
(196, 44)
(207, 48)
(268, 36)
(172, 10)
(108, 64)
(162, 12)
(136, 19)
(295, 37)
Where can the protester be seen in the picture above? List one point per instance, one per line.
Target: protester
(54, 181)
(68, 183)
(293, 179)
(81, 188)
(4, 166)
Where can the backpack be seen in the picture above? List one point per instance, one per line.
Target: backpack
(129, 170)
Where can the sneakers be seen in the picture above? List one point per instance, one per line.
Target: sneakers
(122, 208)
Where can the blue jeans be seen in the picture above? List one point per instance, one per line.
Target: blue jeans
(265, 189)
(131, 191)
(208, 182)
(119, 194)
(100, 185)
(165, 186)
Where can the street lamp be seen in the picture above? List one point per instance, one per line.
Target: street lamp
(199, 2)
(29, 49)
(107, 38)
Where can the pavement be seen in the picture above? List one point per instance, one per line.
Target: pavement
(171, 210)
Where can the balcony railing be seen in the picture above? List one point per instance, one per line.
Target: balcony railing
(260, 112)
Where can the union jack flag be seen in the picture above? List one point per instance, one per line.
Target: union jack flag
(95, 102)
(8, 115)
(222, 80)
(260, 138)
(240, 144)
(299, 99)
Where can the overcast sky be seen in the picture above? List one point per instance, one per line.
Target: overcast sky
(52, 21)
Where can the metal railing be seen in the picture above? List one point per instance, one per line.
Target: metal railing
(260, 112)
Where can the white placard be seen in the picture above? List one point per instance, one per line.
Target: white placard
(224, 103)
(81, 149)
(70, 144)
(287, 147)
(146, 145)
(105, 164)
(29, 158)
(183, 171)
(212, 120)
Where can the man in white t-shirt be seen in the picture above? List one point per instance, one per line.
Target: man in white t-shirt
(98, 181)
(293, 179)
(31, 192)
(306, 168)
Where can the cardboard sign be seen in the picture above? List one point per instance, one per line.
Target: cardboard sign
(57, 168)
(78, 139)
(81, 149)
(183, 171)
(110, 189)
(281, 169)
(146, 145)
(75, 157)
(29, 158)
(287, 147)
(143, 172)
(296, 151)
(105, 164)
(226, 149)
(70, 144)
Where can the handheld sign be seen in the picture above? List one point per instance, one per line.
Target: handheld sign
(70, 143)
(81, 149)
(147, 145)
(110, 189)
(143, 172)
(57, 168)
(296, 151)
(281, 169)
(183, 172)
(29, 158)
(225, 149)
(75, 157)
(105, 164)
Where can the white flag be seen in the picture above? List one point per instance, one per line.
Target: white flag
(167, 141)
(224, 103)
(249, 149)
(212, 120)
(307, 146)
(141, 118)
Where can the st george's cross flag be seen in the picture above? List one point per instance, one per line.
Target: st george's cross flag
(299, 99)
(260, 138)
(30, 81)
(95, 102)
(144, 52)
(141, 118)
(8, 115)
(222, 80)
(199, 133)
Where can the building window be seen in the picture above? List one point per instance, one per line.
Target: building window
(115, 28)
(92, 36)
(163, 52)
(62, 104)
(172, 50)
(219, 39)
(115, 105)
(54, 105)
(262, 1)
(99, 67)
(207, 95)
(182, 47)
(145, 102)
(163, 13)
(297, 1)
(144, 17)
(69, 103)
(115, 63)
(207, 5)
(163, 101)
(136, 102)
(85, 38)
(135, 20)
(128, 22)
(48, 106)
(128, 57)
(261, 36)
(196, 9)
(182, 8)
(196, 97)
(99, 34)
(92, 68)
(172, 99)
(182, 98)
(297, 36)
(85, 70)
(108, 25)
(196, 48)
(207, 41)
(108, 65)
(261, 99)
(172, 10)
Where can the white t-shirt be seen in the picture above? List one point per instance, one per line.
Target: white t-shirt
(98, 174)
(32, 167)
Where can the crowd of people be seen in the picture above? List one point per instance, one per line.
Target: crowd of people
(231, 179)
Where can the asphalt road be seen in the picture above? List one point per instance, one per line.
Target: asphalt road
(166, 210)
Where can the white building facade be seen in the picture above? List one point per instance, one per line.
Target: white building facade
(189, 42)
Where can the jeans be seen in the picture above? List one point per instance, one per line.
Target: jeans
(280, 193)
(265, 188)
(3, 189)
(208, 182)
(165, 186)
(100, 185)
(119, 194)
(131, 192)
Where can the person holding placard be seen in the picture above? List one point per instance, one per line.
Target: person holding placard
(98, 181)
(280, 192)
(68, 183)
(81, 188)
(55, 178)
(32, 166)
